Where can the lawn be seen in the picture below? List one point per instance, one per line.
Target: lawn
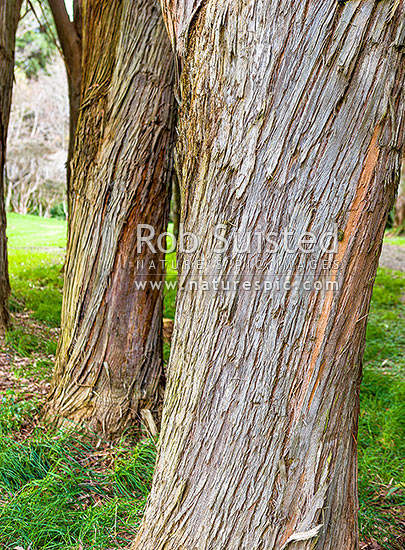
(395, 239)
(28, 232)
(36, 251)
(59, 490)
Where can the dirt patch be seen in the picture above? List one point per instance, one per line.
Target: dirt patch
(370, 545)
(393, 257)
(7, 380)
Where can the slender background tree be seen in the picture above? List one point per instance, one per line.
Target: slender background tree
(292, 117)
(70, 38)
(399, 215)
(109, 360)
(9, 16)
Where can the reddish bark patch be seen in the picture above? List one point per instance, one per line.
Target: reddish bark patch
(167, 330)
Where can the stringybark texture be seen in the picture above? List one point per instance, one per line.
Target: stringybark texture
(109, 360)
(292, 117)
(9, 17)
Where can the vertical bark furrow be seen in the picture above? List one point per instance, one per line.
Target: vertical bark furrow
(291, 118)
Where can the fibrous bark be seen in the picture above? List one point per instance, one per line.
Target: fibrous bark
(9, 17)
(109, 360)
(292, 117)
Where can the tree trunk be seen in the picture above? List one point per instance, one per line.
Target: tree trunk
(109, 360)
(9, 17)
(399, 221)
(292, 117)
(70, 37)
(399, 214)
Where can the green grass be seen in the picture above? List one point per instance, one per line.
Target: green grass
(382, 416)
(170, 293)
(396, 240)
(36, 281)
(25, 343)
(169, 304)
(58, 491)
(36, 256)
(35, 232)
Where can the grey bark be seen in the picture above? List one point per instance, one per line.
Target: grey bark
(292, 116)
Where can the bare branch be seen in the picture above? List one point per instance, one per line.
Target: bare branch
(47, 27)
(68, 37)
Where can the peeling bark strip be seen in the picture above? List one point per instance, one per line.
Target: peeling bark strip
(9, 17)
(292, 116)
(109, 361)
